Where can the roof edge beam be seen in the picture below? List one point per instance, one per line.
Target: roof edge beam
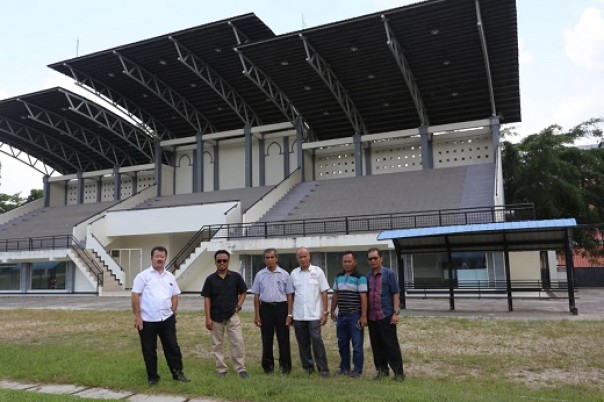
(116, 125)
(230, 96)
(321, 67)
(403, 65)
(485, 54)
(168, 95)
(120, 102)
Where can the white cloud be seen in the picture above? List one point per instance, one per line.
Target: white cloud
(524, 55)
(585, 41)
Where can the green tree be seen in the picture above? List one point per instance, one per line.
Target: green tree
(561, 179)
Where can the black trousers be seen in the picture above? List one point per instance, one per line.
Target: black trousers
(166, 330)
(385, 346)
(274, 316)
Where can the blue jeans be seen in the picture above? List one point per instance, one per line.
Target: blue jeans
(347, 330)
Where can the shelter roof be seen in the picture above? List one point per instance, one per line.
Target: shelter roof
(512, 236)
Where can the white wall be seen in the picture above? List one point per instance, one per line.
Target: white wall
(232, 164)
(166, 220)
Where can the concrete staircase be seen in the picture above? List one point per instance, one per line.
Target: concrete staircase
(289, 202)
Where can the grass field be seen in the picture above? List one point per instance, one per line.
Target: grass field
(445, 359)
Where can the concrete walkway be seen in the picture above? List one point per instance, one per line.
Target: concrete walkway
(95, 393)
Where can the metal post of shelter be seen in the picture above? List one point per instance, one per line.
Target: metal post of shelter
(570, 272)
(508, 280)
(450, 270)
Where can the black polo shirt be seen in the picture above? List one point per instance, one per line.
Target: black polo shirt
(224, 294)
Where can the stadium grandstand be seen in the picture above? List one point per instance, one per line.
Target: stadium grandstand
(227, 136)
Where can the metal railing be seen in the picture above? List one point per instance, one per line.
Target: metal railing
(59, 242)
(355, 224)
(372, 223)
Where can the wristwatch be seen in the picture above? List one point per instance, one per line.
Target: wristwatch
(238, 307)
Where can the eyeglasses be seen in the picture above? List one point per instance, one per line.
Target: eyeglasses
(221, 261)
(373, 258)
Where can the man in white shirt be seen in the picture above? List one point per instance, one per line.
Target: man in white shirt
(154, 304)
(307, 297)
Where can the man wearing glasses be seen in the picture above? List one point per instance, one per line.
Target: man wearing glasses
(224, 292)
(383, 303)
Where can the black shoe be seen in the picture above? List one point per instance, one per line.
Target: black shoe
(381, 375)
(243, 374)
(309, 371)
(153, 382)
(343, 372)
(221, 374)
(324, 374)
(354, 374)
(180, 377)
(399, 377)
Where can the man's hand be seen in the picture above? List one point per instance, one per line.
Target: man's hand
(138, 322)
(209, 324)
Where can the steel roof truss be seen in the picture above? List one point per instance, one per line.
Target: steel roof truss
(172, 98)
(263, 81)
(30, 160)
(403, 64)
(41, 141)
(269, 88)
(113, 123)
(217, 84)
(314, 59)
(485, 53)
(89, 139)
(121, 102)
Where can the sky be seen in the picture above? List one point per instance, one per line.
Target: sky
(561, 48)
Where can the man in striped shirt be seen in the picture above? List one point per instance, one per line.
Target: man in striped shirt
(350, 298)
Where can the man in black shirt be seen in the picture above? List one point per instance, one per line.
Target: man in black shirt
(224, 292)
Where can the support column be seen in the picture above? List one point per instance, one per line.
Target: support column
(198, 165)
(285, 157)
(117, 183)
(158, 179)
(99, 189)
(80, 188)
(358, 155)
(135, 183)
(46, 187)
(368, 161)
(299, 151)
(216, 168)
(427, 148)
(261, 162)
(247, 133)
(495, 133)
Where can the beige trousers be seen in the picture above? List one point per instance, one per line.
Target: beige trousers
(233, 328)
